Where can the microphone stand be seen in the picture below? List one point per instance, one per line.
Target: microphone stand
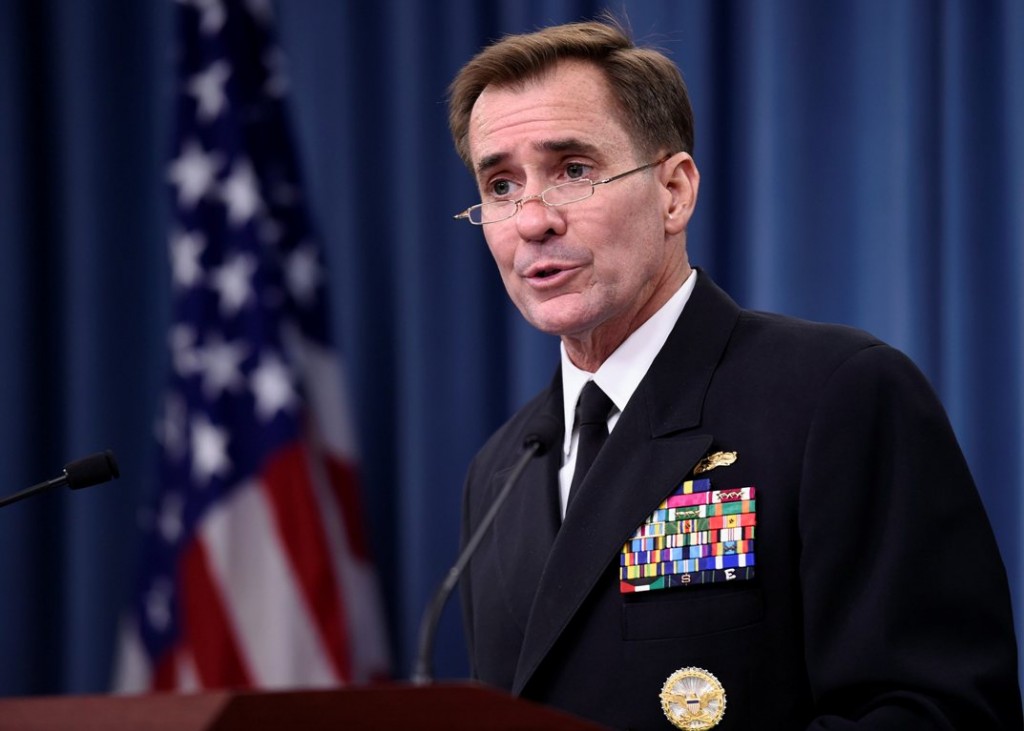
(423, 674)
(30, 491)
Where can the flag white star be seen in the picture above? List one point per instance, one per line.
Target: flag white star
(209, 451)
(158, 603)
(303, 273)
(261, 10)
(182, 341)
(193, 172)
(171, 522)
(213, 15)
(273, 388)
(208, 89)
(233, 282)
(170, 430)
(221, 365)
(240, 191)
(186, 248)
(277, 83)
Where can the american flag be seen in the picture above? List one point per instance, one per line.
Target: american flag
(256, 572)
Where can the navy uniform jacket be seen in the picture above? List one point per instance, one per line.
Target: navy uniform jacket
(878, 601)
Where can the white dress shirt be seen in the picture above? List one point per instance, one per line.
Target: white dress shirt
(618, 376)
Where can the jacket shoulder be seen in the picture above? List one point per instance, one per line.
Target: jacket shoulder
(805, 347)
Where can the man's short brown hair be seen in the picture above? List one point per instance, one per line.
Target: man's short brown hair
(646, 85)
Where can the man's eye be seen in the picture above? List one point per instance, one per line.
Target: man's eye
(501, 188)
(576, 170)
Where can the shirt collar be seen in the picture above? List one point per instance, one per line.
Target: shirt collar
(621, 373)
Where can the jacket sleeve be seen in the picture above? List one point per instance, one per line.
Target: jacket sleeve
(907, 611)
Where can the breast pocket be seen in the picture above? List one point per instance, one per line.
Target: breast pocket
(689, 613)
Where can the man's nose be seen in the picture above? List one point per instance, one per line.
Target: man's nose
(536, 220)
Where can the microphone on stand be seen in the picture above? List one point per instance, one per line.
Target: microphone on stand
(84, 472)
(543, 431)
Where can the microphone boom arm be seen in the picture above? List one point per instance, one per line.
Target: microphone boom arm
(84, 472)
(424, 673)
(30, 491)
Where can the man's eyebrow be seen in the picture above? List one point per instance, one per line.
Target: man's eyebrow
(567, 144)
(490, 161)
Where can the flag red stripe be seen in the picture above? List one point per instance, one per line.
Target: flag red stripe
(289, 487)
(165, 673)
(206, 629)
(345, 486)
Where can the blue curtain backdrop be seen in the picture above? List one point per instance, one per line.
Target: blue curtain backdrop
(862, 162)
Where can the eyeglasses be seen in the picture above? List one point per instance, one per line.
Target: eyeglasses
(557, 195)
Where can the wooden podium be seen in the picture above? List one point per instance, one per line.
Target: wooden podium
(447, 706)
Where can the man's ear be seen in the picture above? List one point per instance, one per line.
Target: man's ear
(681, 179)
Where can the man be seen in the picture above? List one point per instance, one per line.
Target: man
(780, 531)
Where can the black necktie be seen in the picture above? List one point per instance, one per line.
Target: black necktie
(592, 416)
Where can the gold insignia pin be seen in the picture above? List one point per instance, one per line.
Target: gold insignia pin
(692, 698)
(715, 459)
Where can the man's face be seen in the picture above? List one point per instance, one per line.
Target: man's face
(591, 271)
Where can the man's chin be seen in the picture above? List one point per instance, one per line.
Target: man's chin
(564, 314)
(556, 322)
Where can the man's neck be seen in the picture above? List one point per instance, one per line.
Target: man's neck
(589, 350)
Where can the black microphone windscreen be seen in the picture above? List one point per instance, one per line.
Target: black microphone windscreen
(91, 470)
(543, 430)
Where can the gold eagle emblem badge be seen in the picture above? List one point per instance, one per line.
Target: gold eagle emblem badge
(692, 698)
(715, 459)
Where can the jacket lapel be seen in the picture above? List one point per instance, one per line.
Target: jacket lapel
(651, 449)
